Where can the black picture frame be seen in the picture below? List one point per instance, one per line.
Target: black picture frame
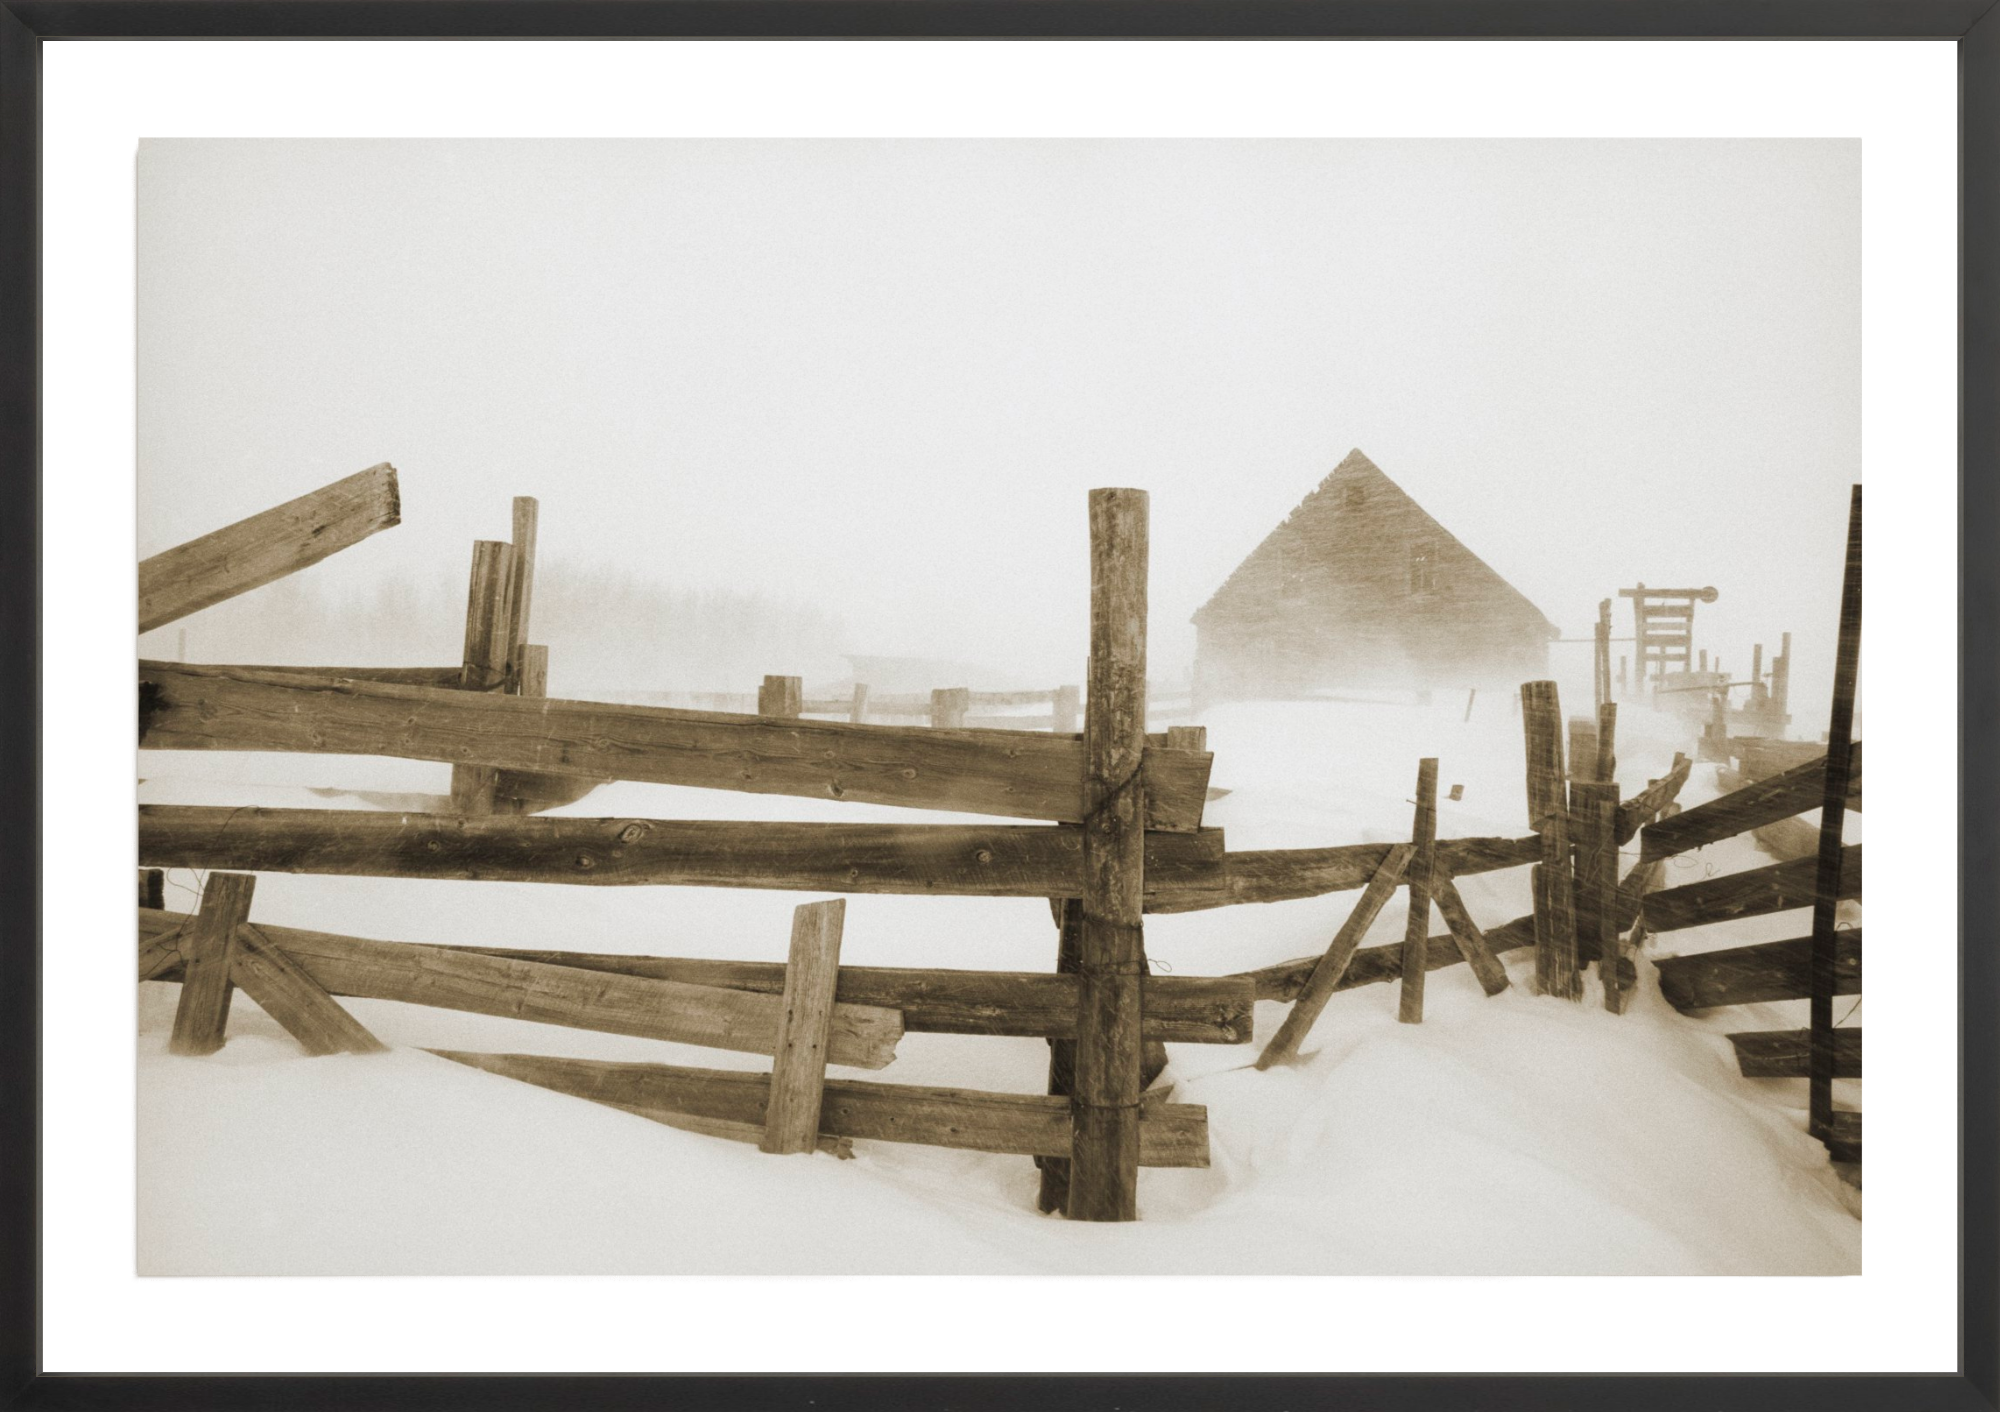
(26, 25)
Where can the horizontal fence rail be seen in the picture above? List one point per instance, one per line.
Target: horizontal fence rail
(1012, 774)
(1288, 874)
(1027, 1125)
(861, 1036)
(1767, 801)
(972, 860)
(1754, 893)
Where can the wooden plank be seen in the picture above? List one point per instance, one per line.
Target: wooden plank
(1288, 874)
(781, 697)
(1030, 1004)
(1104, 1152)
(1326, 973)
(1656, 796)
(1052, 1183)
(857, 709)
(948, 707)
(284, 991)
(208, 947)
(437, 678)
(798, 1068)
(1416, 931)
(1787, 1054)
(489, 640)
(521, 594)
(152, 887)
(1024, 1125)
(266, 546)
(1011, 698)
(1009, 773)
(1373, 965)
(682, 1012)
(1754, 893)
(1761, 756)
(969, 860)
(1776, 797)
(1751, 975)
(159, 946)
(1842, 1136)
(1829, 884)
(1548, 813)
(1465, 934)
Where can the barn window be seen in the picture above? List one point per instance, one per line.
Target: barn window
(1423, 567)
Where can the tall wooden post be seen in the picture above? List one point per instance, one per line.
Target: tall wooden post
(1832, 815)
(208, 942)
(1417, 928)
(1548, 815)
(489, 648)
(948, 707)
(1104, 1151)
(1054, 1193)
(1601, 658)
(1781, 682)
(527, 518)
(798, 1067)
(781, 696)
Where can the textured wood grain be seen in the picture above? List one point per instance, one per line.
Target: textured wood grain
(949, 705)
(1656, 796)
(267, 546)
(1178, 1009)
(1753, 893)
(1830, 874)
(1466, 936)
(973, 860)
(1416, 931)
(684, 1012)
(1767, 801)
(1787, 1054)
(1548, 812)
(208, 949)
(1287, 874)
(1104, 1156)
(527, 529)
(489, 642)
(1026, 1125)
(1750, 975)
(1014, 774)
(781, 697)
(798, 1066)
(1325, 976)
(284, 991)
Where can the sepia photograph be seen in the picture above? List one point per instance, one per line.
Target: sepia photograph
(1000, 707)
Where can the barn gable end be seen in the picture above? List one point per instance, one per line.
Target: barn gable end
(1360, 586)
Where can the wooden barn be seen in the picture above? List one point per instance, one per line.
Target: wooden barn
(1360, 587)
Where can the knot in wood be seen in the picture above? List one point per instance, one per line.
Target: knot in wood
(984, 855)
(632, 833)
(434, 846)
(584, 860)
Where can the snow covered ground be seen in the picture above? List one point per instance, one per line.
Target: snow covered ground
(1513, 1135)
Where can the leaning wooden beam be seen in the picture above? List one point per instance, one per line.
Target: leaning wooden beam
(265, 547)
(1014, 774)
(1767, 801)
(208, 946)
(805, 1023)
(1465, 934)
(967, 860)
(1024, 1125)
(1641, 807)
(1754, 893)
(863, 1036)
(1111, 949)
(1787, 1054)
(1328, 970)
(284, 991)
(1417, 928)
(1750, 975)
(1373, 965)
(1030, 1004)
(1289, 874)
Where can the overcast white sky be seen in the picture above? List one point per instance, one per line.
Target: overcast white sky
(884, 374)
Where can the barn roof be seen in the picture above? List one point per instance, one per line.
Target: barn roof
(1357, 465)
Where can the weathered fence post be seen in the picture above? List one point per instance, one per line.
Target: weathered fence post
(208, 944)
(1781, 681)
(857, 712)
(798, 1069)
(489, 646)
(1068, 705)
(948, 707)
(1593, 812)
(1187, 738)
(534, 670)
(1417, 929)
(1104, 1150)
(1601, 654)
(1054, 1192)
(1548, 815)
(1832, 816)
(781, 696)
(527, 517)
(152, 887)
